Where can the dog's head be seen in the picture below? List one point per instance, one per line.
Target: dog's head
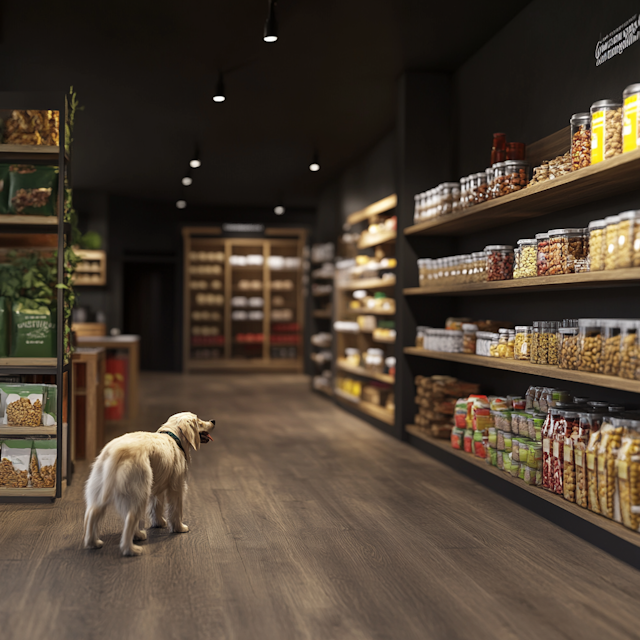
(191, 428)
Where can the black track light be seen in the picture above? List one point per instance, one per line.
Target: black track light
(271, 25)
(219, 94)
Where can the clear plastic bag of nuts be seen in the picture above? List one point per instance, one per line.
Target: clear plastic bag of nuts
(610, 441)
(592, 471)
(571, 430)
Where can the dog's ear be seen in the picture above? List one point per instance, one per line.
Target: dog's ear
(189, 429)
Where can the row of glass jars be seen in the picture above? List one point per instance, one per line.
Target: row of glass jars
(439, 201)
(460, 269)
(614, 242)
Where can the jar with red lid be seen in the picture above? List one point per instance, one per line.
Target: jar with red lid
(499, 148)
(517, 176)
(543, 253)
(580, 140)
(516, 150)
(499, 262)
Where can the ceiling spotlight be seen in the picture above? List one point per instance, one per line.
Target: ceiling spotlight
(279, 210)
(271, 25)
(315, 165)
(195, 163)
(181, 204)
(219, 94)
(187, 181)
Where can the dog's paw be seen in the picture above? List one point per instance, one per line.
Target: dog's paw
(140, 535)
(96, 544)
(180, 528)
(133, 550)
(160, 523)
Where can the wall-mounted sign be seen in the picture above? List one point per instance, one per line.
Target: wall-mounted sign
(233, 227)
(618, 40)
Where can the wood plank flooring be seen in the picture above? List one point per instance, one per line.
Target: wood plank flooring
(307, 523)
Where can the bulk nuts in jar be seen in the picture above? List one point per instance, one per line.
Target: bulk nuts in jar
(606, 130)
(630, 351)
(610, 360)
(589, 344)
(610, 441)
(522, 343)
(517, 176)
(566, 246)
(535, 334)
(580, 140)
(628, 472)
(479, 266)
(631, 118)
(548, 343)
(469, 332)
(568, 348)
(482, 188)
(526, 261)
(543, 253)
(497, 183)
(499, 262)
(610, 241)
(488, 172)
(596, 232)
(623, 251)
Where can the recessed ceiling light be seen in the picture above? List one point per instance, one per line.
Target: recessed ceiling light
(314, 166)
(271, 25)
(195, 163)
(219, 94)
(279, 210)
(187, 181)
(181, 204)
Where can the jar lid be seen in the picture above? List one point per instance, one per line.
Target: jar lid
(597, 404)
(451, 185)
(375, 352)
(352, 351)
(542, 236)
(629, 215)
(631, 89)
(568, 331)
(469, 327)
(597, 224)
(580, 118)
(390, 362)
(478, 254)
(604, 104)
(497, 165)
(499, 247)
(527, 241)
(522, 328)
(482, 175)
(516, 162)
(612, 219)
(503, 331)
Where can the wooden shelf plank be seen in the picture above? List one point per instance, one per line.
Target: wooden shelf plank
(591, 280)
(361, 371)
(371, 312)
(519, 366)
(322, 313)
(31, 492)
(368, 240)
(381, 206)
(368, 283)
(369, 409)
(384, 340)
(22, 220)
(7, 431)
(28, 362)
(608, 178)
(36, 149)
(602, 522)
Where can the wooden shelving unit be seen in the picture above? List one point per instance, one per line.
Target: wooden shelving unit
(522, 366)
(372, 210)
(590, 280)
(323, 314)
(369, 283)
(368, 240)
(211, 329)
(612, 177)
(92, 269)
(370, 312)
(365, 373)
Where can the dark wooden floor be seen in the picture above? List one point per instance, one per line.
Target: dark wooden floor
(307, 523)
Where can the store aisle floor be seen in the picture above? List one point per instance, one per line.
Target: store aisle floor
(307, 523)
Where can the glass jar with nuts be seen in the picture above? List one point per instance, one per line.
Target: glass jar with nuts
(628, 474)
(543, 253)
(568, 348)
(610, 241)
(566, 247)
(589, 344)
(610, 359)
(522, 343)
(516, 174)
(630, 350)
(610, 441)
(580, 140)
(596, 231)
(623, 250)
(606, 130)
(525, 265)
(499, 262)
(497, 187)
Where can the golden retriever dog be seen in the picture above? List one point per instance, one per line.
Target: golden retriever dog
(142, 473)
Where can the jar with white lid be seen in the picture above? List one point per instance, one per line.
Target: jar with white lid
(596, 231)
(352, 356)
(606, 130)
(525, 264)
(498, 179)
(580, 140)
(499, 262)
(543, 253)
(450, 193)
(611, 241)
(623, 252)
(489, 176)
(631, 118)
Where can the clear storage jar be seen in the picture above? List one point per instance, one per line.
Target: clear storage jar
(580, 140)
(498, 180)
(469, 332)
(482, 188)
(479, 266)
(610, 359)
(522, 343)
(503, 341)
(488, 172)
(610, 241)
(525, 261)
(606, 130)
(548, 344)
(568, 348)
(566, 247)
(543, 253)
(589, 344)
(630, 350)
(499, 262)
(631, 118)
(449, 193)
(623, 252)
(596, 231)
(517, 176)
(535, 340)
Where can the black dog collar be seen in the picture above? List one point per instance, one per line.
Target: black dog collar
(175, 437)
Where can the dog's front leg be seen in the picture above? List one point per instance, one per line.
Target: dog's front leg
(157, 511)
(174, 500)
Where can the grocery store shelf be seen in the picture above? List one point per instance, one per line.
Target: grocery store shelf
(339, 393)
(8, 431)
(608, 178)
(322, 313)
(368, 240)
(384, 340)
(371, 312)
(25, 366)
(381, 206)
(519, 366)
(327, 391)
(368, 283)
(21, 224)
(31, 492)
(369, 409)
(495, 474)
(37, 149)
(361, 371)
(591, 280)
(244, 364)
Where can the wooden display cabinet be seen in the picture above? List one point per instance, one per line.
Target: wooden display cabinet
(243, 302)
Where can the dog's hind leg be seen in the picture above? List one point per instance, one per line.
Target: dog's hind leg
(92, 519)
(156, 511)
(130, 529)
(174, 499)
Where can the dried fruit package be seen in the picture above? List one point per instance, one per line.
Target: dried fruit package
(33, 190)
(14, 463)
(28, 405)
(33, 332)
(42, 469)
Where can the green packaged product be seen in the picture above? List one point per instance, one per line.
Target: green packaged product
(15, 456)
(42, 470)
(4, 188)
(28, 405)
(33, 332)
(33, 190)
(4, 328)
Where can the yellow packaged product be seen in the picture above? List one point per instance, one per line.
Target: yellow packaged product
(627, 498)
(592, 471)
(610, 441)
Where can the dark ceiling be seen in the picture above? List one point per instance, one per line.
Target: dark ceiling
(146, 71)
